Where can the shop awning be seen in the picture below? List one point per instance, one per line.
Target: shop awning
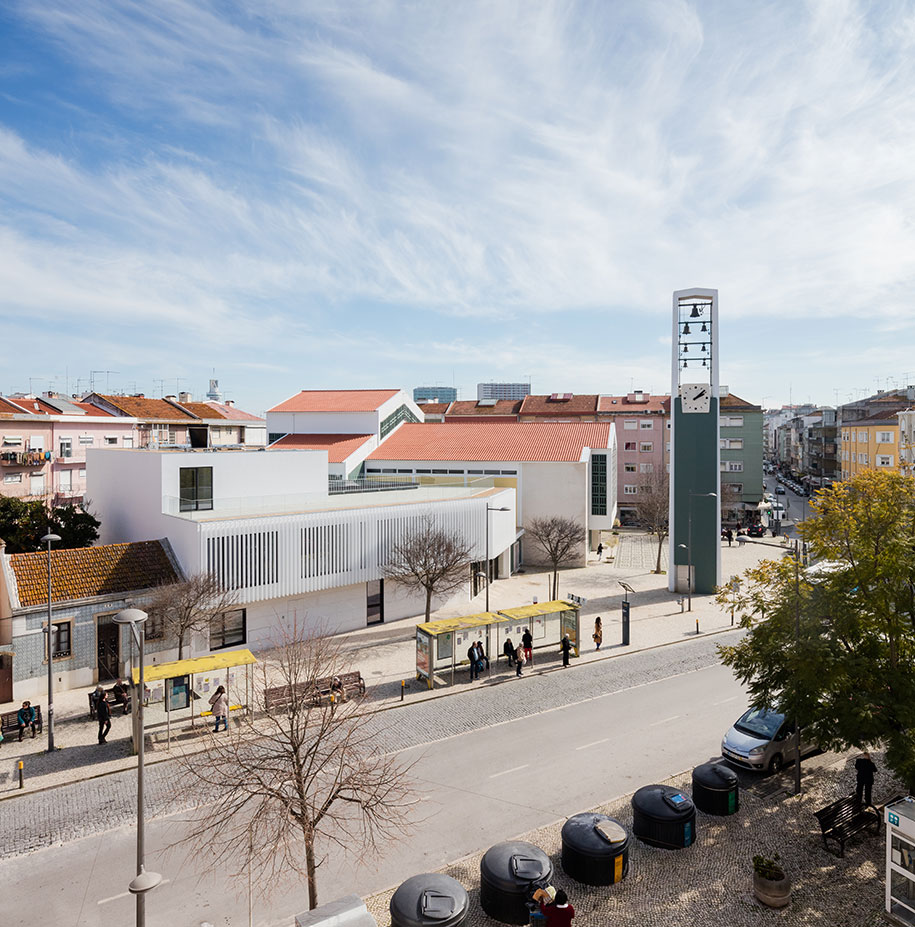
(209, 664)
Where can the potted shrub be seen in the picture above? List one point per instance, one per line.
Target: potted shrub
(770, 883)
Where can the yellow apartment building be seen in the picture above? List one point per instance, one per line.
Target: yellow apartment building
(871, 443)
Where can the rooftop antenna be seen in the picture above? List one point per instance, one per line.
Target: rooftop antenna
(33, 380)
(107, 373)
(161, 387)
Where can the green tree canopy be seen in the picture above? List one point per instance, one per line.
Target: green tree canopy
(24, 522)
(834, 644)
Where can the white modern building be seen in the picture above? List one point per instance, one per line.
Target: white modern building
(503, 390)
(265, 524)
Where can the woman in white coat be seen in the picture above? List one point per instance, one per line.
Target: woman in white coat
(219, 702)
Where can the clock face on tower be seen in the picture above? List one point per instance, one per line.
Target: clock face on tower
(695, 397)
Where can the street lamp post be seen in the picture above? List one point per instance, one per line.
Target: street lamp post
(490, 508)
(144, 881)
(50, 538)
(689, 545)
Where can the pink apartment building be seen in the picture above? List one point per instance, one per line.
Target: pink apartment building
(43, 443)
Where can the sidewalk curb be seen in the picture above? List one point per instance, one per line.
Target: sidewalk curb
(12, 796)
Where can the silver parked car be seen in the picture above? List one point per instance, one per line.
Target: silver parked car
(761, 739)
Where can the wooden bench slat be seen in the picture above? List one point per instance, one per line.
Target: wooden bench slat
(843, 819)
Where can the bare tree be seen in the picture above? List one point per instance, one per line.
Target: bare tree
(188, 606)
(559, 538)
(731, 497)
(654, 507)
(430, 559)
(288, 776)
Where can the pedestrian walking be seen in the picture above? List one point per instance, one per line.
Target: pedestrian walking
(730, 536)
(558, 912)
(219, 702)
(508, 648)
(103, 714)
(598, 634)
(864, 770)
(527, 642)
(26, 718)
(519, 660)
(600, 550)
(566, 647)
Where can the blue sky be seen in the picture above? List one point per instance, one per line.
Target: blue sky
(373, 194)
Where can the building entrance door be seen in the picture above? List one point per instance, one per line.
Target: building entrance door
(6, 677)
(374, 602)
(109, 650)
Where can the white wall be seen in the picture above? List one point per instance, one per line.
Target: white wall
(555, 488)
(323, 423)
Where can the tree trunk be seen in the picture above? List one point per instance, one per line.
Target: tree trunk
(555, 584)
(428, 605)
(657, 568)
(181, 646)
(311, 868)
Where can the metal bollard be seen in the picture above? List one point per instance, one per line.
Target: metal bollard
(402, 686)
(697, 625)
(21, 776)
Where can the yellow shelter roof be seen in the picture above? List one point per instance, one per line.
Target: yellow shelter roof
(208, 664)
(543, 608)
(447, 625)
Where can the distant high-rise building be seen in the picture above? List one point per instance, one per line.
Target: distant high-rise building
(434, 394)
(503, 390)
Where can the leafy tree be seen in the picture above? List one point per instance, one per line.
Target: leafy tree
(23, 522)
(834, 645)
(181, 608)
(431, 560)
(293, 774)
(654, 507)
(560, 538)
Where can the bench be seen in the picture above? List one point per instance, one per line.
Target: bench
(111, 701)
(845, 818)
(9, 722)
(316, 692)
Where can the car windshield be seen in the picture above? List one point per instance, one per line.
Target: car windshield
(760, 722)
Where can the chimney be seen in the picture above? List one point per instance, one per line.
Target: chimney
(171, 398)
(184, 397)
(230, 403)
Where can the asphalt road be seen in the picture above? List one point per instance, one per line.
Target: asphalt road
(479, 787)
(797, 507)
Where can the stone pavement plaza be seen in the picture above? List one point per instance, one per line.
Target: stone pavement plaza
(711, 882)
(385, 654)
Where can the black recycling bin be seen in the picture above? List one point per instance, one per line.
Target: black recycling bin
(663, 816)
(430, 900)
(595, 849)
(716, 789)
(509, 873)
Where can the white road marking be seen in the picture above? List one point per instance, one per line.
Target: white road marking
(505, 772)
(664, 721)
(125, 894)
(733, 698)
(593, 743)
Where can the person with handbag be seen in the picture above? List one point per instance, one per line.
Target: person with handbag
(219, 702)
(598, 634)
(557, 911)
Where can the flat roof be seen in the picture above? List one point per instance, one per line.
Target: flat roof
(195, 665)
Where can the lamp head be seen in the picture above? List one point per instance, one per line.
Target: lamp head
(50, 538)
(130, 616)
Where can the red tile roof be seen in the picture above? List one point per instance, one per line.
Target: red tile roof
(619, 405)
(585, 404)
(148, 410)
(433, 408)
(735, 402)
(90, 409)
(511, 441)
(485, 408)
(885, 416)
(338, 447)
(231, 412)
(9, 406)
(86, 572)
(336, 400)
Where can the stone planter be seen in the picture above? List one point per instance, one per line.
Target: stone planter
(776, 893)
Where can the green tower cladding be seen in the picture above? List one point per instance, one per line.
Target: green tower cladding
(695, 496)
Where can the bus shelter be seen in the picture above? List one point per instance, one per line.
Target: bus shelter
(548, 623)
(188, 680)
(442, 645)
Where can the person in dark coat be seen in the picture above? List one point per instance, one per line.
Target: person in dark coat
(508, 648)
(566, 648)
(600, 550)
(474, 662)
(864, 770)
(26, 717)
(527, 642)
(103, 713)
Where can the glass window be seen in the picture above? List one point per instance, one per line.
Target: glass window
(196, 488)
(65, 448)
(598, 484)
(630, 490)
(65, 480)
(646, 426)
(630, 425)
(646, 468)
(629, 446)
(128, 441)
(61, 643)
(630, 467)
(86, 440)
(12, 440)
(227, 629)
(111, 440)
(12, 477)
(646, 447)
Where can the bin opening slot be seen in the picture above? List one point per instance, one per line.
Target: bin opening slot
(526, 868)
(611, 831)
(437, 906)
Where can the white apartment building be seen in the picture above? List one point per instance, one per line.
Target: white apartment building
(265, 524)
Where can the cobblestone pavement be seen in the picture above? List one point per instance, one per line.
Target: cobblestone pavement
(69, 812)
(639, 552)
(711, 881)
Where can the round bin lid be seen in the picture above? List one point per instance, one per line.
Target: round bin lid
(514, 864)
(428, 898)
(595, 834)
(715, 776)
(663, 803)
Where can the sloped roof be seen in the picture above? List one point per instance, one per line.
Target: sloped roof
(10, 407)
(884, 416)
(584, 404)
(90, 409)
(336, 400)
(148, 410)
(433, 408)
(338, 447)
(510, 441)
(86, 572)
(231, 412)
(201, 409)
(485, 408)
(735, 402)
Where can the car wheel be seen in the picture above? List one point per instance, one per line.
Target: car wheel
(776, 763)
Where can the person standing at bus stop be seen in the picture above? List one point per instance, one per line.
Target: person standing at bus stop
(527, 642)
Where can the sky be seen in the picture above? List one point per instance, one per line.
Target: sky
(290, 195)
